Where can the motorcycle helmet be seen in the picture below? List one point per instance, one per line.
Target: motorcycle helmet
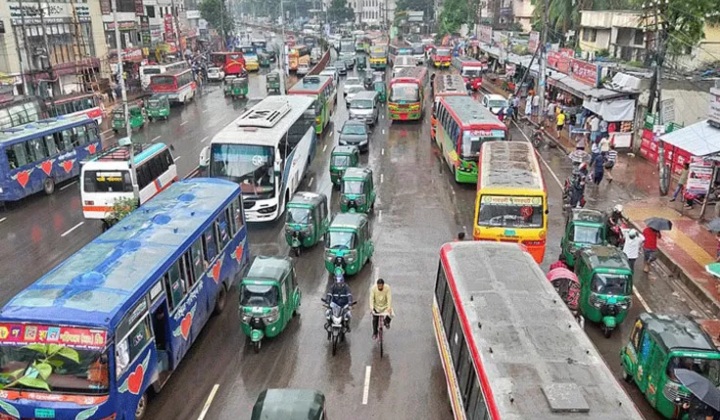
(632, 233)
(618, 208)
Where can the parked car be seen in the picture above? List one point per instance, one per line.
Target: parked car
(354, 133)
(494, 103)
(215, 74)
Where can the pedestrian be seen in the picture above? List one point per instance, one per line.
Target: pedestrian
(603, 126)
(560, 122)
(501, 114)
(528, 107)
(516, 106)
(580, 141)
(604, 144)
(631, 248)
(682, 181)
(650, 246)
(594, 151)
(509, 114)
(549, 113)
(594, 128)
(598, 170)
(460, 237)
(610, 160)
(536, 105)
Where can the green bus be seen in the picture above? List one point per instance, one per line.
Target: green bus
(323, 90)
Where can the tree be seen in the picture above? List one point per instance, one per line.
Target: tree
(340, 12)
(454, 14)
(426, 6)
(217, 15)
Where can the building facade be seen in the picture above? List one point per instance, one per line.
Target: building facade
(373, 12)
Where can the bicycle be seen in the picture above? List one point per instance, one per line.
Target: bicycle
(381, 326)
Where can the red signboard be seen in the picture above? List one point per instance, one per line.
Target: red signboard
(585, 72)
(139, 8)
(46, 334)
(169, 24)
(534, 41)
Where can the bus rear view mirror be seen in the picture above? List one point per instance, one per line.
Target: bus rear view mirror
(204, 157)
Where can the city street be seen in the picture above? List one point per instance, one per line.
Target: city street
(419, 209)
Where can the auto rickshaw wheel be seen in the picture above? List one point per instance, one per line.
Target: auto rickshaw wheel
(256, 347)
(221, 300)
(49, 186)
(296, 251)
(607, 332)
(150, 119)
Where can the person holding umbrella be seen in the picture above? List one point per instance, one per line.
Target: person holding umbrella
(705, 401)
(652, 234)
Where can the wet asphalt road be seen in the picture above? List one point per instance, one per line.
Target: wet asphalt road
(419, 208)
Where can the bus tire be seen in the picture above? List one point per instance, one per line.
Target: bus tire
(49, 186)
(221, 300)
(141, 408)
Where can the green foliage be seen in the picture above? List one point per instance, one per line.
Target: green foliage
(602, 53)
(217, 15)
(454, 14)
(685, 22)
(564, 15)
(121, 208)
(340, 12)
(426, 6)
(49, 357)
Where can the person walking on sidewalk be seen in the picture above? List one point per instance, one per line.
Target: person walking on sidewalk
(650, 246)
(610, 160)
(594, 128)
(682, 181)
(560, 122)
(516, 107)
(598, 170)
(528, 108)
(631, 247)
(536, 105)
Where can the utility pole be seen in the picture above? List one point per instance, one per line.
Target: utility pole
(542, 80)
(18, 48)
(176, 24)
(25, 45)
(51, 72)
(655, 96)
(283, 47)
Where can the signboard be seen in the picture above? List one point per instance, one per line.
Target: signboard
(667, 110)
(193, 14)
(124, 26)
(585, 72)
(22, 334)
(699, 177)
(139, 8)
(714, 109)
(508, 200)
(51, 12)
(105, 7)
(168, 21)
(486, 34)
(533, 42)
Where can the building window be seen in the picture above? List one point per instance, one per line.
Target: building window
(150, 11)
(639, 38)
(589, 35)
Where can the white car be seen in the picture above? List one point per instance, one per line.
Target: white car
(303, 69)
(331, 71)
(494, 103)
(350, 83)
(350, 93)
(215, 74)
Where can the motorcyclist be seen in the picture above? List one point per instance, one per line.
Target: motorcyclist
(339, 295)
(616, 216)
(538, 136)
(577, 192)
(615, 222)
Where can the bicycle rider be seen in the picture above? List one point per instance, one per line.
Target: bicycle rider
(380, 302)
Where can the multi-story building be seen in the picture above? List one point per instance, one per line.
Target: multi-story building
(54, 45)
(504, 13)
(373, 12)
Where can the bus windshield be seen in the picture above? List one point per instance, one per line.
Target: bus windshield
(150, 70)
(472, 72)
(471, 144)
(89, 375)
(249, 165)
(404, 92)
(442, 52)
(107, 181)
(511, 211)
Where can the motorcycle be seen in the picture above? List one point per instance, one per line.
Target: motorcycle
(337, 322)
(567, 194)
(615, 233)
(538, 139)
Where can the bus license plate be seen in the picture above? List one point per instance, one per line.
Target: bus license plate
(509, 232)
(44, 413)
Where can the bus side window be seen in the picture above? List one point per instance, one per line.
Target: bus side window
(197, 259)
(21, 154)
(209, 244)
(237, 214)
(50, 145)
(174, 285)
(80, 136)
(144, 177)
(12, 159)
(223, 230)
(36, 149)
(91, 133)
(169, 161)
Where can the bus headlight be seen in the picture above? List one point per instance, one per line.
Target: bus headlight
(268, 210)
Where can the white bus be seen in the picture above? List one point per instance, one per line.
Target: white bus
(267, 150)
(147, 71)
(108, 178)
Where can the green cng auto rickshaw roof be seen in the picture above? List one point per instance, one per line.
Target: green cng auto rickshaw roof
(306, 199)
(348, 221)
(289, 404)
(269, 268)
(604, 257)
(676, 332)
(345, 150)
(588, 215)
(357, 173)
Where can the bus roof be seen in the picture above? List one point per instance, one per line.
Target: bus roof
(99, 284)
(471, 112)
(122, 154)
(543, 365)
(310, 85)
(415, 73)
(450, 85)
(510, 164)
(27, 131)
(266, 123)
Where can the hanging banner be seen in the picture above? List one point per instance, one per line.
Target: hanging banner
(533, 42)
(699, 177)
(510, 69)
(486, 34)
(585, 72)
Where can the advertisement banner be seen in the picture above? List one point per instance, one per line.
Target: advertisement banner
(169, 24)
(559, 61)
(22, 334)
(533, 42)
(139, 8)
(585, 72)
(700, 176)
(105, 7)
(486, 34)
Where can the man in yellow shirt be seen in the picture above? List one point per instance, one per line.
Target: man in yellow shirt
(380, 303)
(560, 121)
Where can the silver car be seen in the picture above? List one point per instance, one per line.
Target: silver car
(354, 133)
(364, 107)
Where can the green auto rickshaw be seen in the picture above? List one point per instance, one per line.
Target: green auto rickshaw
(361, 63)
(606, 285)
(583, 227)
(264, 60)
(227, 85)
(239, 87)
(380, 88)
(348, 244)
(289, 404)
(135, 115)
(341, 158)
(158, 106)
(357, 191)
(272, 82)
(658, 345)
(269, 298)
(306, 220)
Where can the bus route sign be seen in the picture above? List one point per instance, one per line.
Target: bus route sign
(46, 334)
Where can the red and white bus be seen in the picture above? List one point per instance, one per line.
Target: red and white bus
(509, 346)
(445, 85)
(407, 94)
(179, 86)
(471, 70)
(441, 57)
(75, 105)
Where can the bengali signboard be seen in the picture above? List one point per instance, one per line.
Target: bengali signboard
(533, 42)
(105, 7)
(169, 30)
(23, 334)
(139, 8)
(699, 177)
(714, 109)
(585, 72)
(51, 12)
(486, 34)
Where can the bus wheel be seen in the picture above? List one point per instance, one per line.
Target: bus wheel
(49, 186)
(221, 300)
(141, 407)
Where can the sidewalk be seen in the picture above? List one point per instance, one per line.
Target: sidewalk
(688, 247)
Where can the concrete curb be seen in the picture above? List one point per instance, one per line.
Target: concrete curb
(677, 271)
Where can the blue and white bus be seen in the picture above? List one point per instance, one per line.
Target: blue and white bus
(267, 150)
(251, 57)
(35, 157)
(108, 326)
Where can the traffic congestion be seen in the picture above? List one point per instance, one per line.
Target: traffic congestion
(333, 223)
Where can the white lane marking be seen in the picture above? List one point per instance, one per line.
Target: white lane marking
(155, 139)
(366, 387)
(3, 219)
(382, 178)
(379, 216)
(383, 131)
(177, 158)
(311, 181)
(106, 131)
(324, 148)
(204, 139)
(69, 231)
(208, 402)
(642, 300)
(184, 122)
(205, 110)
(382, 152)
(68, 185)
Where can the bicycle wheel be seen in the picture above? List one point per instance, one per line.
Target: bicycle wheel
(380, 338)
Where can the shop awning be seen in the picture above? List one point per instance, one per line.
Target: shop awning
(612, 110)
(568, 84)
(699, 139)
(603, 94)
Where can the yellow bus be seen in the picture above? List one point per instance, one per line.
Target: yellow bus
(511, 202)
(299, 54)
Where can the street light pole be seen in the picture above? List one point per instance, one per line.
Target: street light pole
(542, 80)
(123, 91)
(282, 49)
(51, 72)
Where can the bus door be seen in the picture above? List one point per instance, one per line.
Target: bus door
(160, 327)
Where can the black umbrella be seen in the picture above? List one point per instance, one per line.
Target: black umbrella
(700, 386)
(658, 223)
(714, 225)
